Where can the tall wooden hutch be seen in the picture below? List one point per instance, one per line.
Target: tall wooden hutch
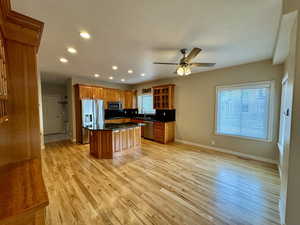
(23, 195)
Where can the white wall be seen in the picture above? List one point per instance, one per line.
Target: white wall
(195, 106)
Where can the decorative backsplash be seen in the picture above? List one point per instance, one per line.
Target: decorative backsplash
(109, 114)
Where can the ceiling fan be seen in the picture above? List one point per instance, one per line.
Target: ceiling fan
(185, 64)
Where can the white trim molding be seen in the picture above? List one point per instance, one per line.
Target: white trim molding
(270, 113)
(231, 152)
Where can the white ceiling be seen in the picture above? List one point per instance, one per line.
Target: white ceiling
(133, 34)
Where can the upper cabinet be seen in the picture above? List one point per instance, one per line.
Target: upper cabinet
(163, 96)
(128, 98)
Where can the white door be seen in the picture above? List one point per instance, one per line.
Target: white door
(283, 146)
(284, 113)
(53, 115)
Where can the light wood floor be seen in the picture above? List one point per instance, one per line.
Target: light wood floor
(163, 184)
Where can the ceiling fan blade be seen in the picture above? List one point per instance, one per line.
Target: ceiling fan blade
(202, 64)
(165, 63)
(192, 54)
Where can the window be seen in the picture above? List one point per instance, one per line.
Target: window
(145, 104)
(245, 110)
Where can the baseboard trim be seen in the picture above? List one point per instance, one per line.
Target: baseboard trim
(231, 152)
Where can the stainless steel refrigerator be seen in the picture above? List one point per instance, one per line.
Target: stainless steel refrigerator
(92, 114)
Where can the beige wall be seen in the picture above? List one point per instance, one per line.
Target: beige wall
(291, 180)
(195, 106)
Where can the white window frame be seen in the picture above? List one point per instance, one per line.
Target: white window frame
(270, 84)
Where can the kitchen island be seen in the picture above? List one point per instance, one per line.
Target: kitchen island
(111, 140)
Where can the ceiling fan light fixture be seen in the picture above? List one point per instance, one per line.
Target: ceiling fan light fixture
(184, 71)
(180, 71)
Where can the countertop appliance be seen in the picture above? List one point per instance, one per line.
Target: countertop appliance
(149, 130)
(114, 105)
(92, 114)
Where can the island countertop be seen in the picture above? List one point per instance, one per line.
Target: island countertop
(113, 126)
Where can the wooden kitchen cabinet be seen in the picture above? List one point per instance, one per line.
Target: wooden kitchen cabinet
(163, 96)
(85, 92)
(126, 139)
(164, 132)
(98, 93)
(90, 92)
(130, 101)
(139, 121)
(117, 143)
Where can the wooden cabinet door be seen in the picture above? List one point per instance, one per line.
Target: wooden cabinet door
(130, 138)
(122, 98)
(159, 132)
(117, 144)
(98, 93)
(124, 138)
(107, 96)
(128, 97)
(134, 99)
(163, 97)
(137, 137)
(130, 100)
(85, 92)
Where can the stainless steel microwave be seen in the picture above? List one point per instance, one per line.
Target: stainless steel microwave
(114, 105)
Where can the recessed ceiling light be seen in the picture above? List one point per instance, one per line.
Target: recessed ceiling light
(111, 78)
(130, 71)
(114, 67)
(63, 60)
(143, 74)
(85, 35)
(123, 80)
(96, 75)
(72, 50)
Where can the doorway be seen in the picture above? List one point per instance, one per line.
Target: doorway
(54, 118)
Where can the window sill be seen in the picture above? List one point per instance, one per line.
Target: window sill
(244, 138)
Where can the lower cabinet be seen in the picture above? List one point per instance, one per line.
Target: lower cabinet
(164, 132)
(126, 139)
(139, 121)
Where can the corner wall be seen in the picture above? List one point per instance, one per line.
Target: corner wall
(195, 106)
(292, 185)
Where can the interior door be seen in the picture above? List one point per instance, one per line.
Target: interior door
(284, 113)
(53, 115)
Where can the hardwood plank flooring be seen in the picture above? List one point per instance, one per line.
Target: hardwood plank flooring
(161, 184)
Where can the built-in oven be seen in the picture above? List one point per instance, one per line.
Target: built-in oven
(114, 105)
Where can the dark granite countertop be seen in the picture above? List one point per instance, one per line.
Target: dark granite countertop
(114, 126)
(118, 117)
